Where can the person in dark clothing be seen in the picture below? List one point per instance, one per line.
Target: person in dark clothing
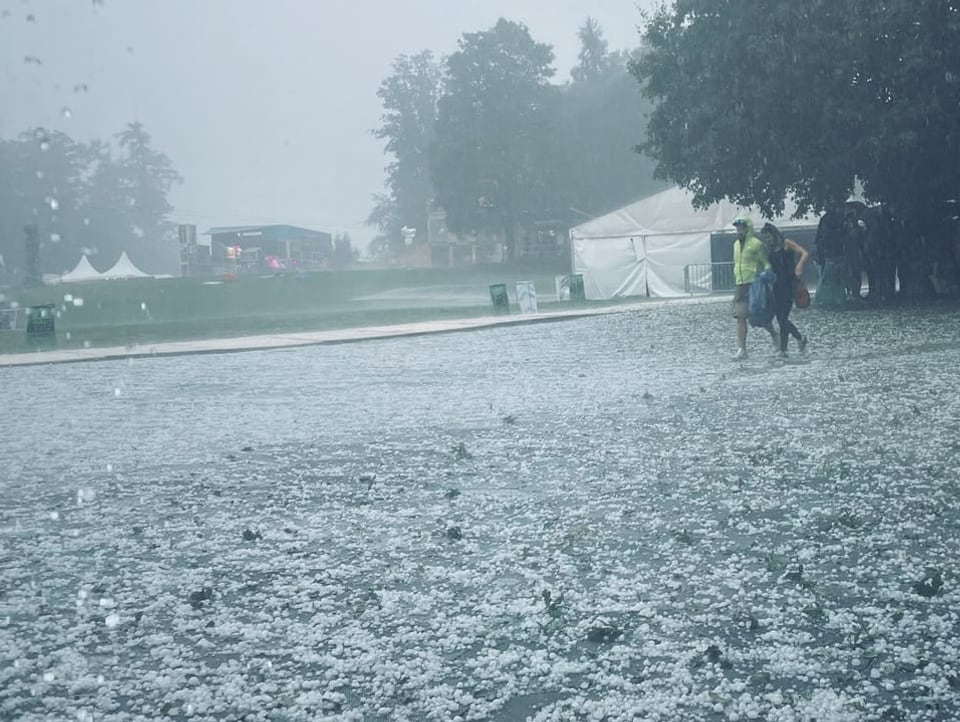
(780, 252)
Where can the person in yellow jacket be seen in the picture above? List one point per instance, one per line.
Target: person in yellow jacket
(749, 258)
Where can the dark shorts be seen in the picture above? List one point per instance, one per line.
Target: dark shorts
(741, 296)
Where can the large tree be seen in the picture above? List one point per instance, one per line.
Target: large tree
(758, 99)
(490, 159)
(127, 201)
(602, 113)
(594, 57)
(409, 97)
(85, 198)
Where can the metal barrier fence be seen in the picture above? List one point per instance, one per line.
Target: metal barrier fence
(708, 277)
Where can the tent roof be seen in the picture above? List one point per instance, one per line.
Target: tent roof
(671, 212)
(83, 271)
(124, 268)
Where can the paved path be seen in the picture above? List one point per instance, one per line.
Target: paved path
(311, 338)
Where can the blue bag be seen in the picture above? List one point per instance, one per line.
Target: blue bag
(760, 308)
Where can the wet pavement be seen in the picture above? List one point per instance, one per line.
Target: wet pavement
(604, 518)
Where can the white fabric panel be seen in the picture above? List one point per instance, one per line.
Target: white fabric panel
(670, 233)
(611, 267)
(666, 257)
(672, 211)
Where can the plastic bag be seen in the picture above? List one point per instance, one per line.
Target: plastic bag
(760, 308)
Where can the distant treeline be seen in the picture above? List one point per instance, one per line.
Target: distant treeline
(488, 137)
(96, 198)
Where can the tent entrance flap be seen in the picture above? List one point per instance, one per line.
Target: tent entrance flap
(611, 267)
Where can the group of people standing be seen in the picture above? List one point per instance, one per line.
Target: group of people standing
(752, 255)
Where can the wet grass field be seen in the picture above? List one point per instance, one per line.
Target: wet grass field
(601, 519)
(143, 311)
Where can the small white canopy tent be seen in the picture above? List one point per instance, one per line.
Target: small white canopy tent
(641, 249)
(84, 271)
(124, 268)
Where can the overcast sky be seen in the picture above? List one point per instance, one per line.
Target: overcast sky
(264, 106)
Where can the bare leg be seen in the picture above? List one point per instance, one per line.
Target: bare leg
(742, 333)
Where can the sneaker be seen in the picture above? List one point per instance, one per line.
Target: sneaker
(740, 355)
(802, 344)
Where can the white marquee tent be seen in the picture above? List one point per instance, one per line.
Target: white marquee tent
(84, 271)
(642, 249)
(124, 268)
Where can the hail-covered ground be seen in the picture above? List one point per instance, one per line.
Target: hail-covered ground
(601, 519)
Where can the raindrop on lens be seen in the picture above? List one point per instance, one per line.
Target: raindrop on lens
(67, 113)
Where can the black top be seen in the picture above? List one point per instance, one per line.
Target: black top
(785, 267)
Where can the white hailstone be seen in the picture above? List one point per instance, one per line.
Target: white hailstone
(48, 676)
(107, 603)
(77, 302)
(116, 392)
(55, 515)
(112, 619)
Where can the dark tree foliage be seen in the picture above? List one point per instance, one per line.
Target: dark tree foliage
(490, 159)
(508, 148)
(127, 201)
(409, 97)
(594, 57)
(599, 121)
(761, 98)
(42, 176)
(85, 199)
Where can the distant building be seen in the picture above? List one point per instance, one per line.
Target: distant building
(259, 249)
(448, 249)
(543, 240)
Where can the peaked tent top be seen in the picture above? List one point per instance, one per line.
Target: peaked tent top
(672, 212)
(124, 268)
(84, 271)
